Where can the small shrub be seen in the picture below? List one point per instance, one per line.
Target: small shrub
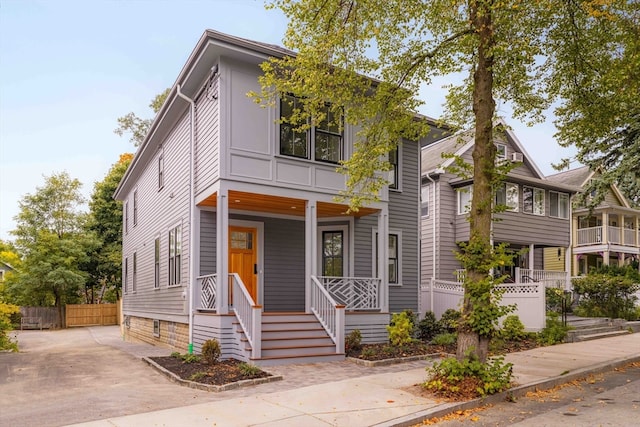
(197, 376)
(512, 329)
(428, 327)
(211, 351)
(554, 331)
(401, 328)
(190, 358)
(353, 342)
(176, 354)
(6, 311)
(448, 377)
(447, 338)
(607, 295)
(449, 320)
(249, 370)
(367, 353)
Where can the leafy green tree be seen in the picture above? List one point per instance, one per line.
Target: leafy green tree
(136, 126)
(51, 237)
(512, 51)
(105, 221)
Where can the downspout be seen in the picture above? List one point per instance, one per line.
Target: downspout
(192, 212)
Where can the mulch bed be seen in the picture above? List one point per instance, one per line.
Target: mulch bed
(377, 352)
(221, 373)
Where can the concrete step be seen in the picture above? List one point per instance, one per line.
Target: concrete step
(596, 336)
(268, 343)
(293, 351)
(309, 358)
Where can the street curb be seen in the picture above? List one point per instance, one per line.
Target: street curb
(447, 408)
(397, 360)
(210, 387)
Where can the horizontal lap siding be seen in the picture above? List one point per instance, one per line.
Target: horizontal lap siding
(284, 259)
(364, 227)
(526, 229)
(404, 215)
(207, 142)
(207, 242)
(158, 211)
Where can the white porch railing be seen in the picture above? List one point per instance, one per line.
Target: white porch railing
(589, 236)
(630, 237)
(460, 274)
(328, 312)
(355, 293)
(208, 291)
(550, 279)
(614, 234)
(249, 314)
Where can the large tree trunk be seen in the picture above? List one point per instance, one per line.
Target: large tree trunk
(469, 340)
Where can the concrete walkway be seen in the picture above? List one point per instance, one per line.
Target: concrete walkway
(309, 396)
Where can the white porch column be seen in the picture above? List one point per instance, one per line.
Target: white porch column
(222, 251)
(605, 257)
(310, 249)
(605, 229)
(383, 258)
(532, 247)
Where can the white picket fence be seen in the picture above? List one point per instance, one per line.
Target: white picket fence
(529, 299)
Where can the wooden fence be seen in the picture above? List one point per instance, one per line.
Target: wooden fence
(39, 317)
(91, 314)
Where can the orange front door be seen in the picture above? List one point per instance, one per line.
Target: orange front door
(242, 257)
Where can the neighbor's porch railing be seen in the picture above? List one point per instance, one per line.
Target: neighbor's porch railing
(550, 279)
(355, 293)
(328, 312)
(249, 314)
(593, 235)
(589, 236)
(208, 291)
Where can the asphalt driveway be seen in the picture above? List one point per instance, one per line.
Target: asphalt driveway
(75, 375)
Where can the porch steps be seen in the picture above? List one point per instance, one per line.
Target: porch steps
(292, 338)
(586, 329)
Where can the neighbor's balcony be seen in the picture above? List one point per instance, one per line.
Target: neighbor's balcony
(615, 235)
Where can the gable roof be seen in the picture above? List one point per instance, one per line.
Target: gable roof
(580, 177)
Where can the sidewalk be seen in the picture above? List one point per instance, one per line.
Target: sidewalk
(380, 399)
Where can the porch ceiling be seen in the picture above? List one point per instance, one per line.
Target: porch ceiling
(239, 200)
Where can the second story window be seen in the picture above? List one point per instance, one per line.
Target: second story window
(394, 171)
(322, 143)
(125, 274)
(135, 208)
(507, 195)
(161, 170)
(501, 153)
(134, 281)
(558, 205)
(464, 199)
(126, 217)
(533, 200)
(156, 264)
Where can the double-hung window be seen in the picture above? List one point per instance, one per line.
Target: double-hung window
(333, 253)
(394, 268)
(465, 195)
(558, 205)
(533, 200)
(424, 200)
(322, 143)
(394, 172)
(507, 195)
(161, 170)
(156, 263)
(501, 153)
(125, 274)
(135, 208)
(126, 217)
(175, 254)
(134, 277)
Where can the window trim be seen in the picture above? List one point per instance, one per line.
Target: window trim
(374, 256)
(156, 262)
(505, 186)
(560, 195)
(310, 136)
(467, 189)
(161, 169)
(125, 274)
(175, 244)
(500, 157)
(135, 207)
(156, 328)
(396, 170)
(134, 273)
(534, 190)
(425, 202)
(126, 217)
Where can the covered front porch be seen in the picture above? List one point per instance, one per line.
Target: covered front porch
(274, 270)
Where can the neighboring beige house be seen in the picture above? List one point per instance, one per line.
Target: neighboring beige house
(608, 235)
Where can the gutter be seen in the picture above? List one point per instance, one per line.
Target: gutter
(192, 212)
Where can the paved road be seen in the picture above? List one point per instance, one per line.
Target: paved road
(608, 399)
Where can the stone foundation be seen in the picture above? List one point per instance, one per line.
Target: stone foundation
(171, 334)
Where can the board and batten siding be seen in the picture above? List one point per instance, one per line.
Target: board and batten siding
(207, 164)
(404, 215)
(160, 210)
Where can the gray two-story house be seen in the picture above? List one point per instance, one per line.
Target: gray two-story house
(537, 215)
(231, 228)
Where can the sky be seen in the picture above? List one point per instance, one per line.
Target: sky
(69, 69)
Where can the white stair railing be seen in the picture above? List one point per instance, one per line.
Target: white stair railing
(550, 279)
(329, 313)
(248, 313)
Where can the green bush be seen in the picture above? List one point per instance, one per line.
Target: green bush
(353, 342)
(555, 297)
(554, 331)
(6, 311)
(512, 329)
(449, 320)
(249, 370)
(607, 295)
(428, 327)
(491, 377)
(401, 328)
(211, 351)
(446, 338)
